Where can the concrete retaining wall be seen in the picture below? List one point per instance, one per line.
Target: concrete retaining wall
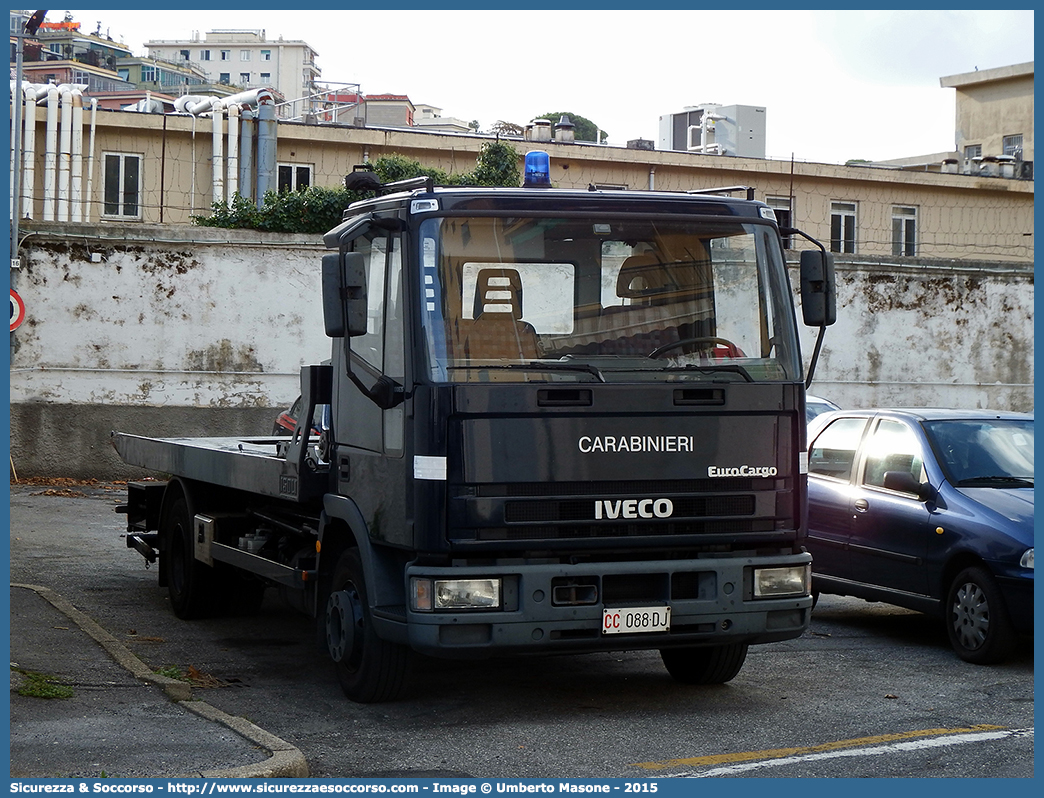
(180, 330)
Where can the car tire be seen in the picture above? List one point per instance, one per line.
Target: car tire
(977, 619)
(190, 583)
(370, 670)
(704, 664)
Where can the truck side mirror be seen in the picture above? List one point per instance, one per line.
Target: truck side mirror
(344, 294)
(818, 300)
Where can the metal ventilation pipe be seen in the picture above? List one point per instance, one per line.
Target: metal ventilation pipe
(25, 206)
(76, 164)
(217, 150)
(90, 153)
(233, 151)
(266, 151)
(51, 154)
(246, 155)
(64, 155)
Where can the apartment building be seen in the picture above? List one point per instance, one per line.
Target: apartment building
(247, 59)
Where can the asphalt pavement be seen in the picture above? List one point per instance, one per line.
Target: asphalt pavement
(113, 717)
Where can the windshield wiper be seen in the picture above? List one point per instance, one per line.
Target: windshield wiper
(534, 366)
(1006, 481)
(735, 368)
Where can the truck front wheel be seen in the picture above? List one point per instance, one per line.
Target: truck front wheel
(705, 664)
(189, 582)
(370, 670)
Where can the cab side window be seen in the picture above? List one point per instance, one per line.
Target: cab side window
(832, 454)
(892, 447)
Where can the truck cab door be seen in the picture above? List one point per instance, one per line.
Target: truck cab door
(378, 353)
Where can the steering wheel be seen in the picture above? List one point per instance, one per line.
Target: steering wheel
(733, 350)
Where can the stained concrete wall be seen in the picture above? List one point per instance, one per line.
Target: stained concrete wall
(179, 330)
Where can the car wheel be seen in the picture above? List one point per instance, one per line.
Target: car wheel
(976, 619)
(369, 669)
(704, 664)
(189, 582)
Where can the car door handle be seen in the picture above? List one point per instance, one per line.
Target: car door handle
(862, 505)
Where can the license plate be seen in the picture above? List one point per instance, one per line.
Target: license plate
(628, 620)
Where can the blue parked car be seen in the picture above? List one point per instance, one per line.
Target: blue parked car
(931, 510)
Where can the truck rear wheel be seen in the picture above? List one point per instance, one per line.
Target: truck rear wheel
(370, 670)
(705, 664)
(189, 582)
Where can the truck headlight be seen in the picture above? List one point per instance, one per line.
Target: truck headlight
(427, 595)
(791, 580)
(1027, 559)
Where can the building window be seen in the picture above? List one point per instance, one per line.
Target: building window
(148, 74)
(124, 74)
(122, 186)
(266, 55)
(244, 55)
(781, 207)
(904, 231)
(244, 77)
(294, 177)
(843, 227)
(1013, 145)
(204, 55)
(226, 55)
(973, 151)
(266, 77)
(224, 78)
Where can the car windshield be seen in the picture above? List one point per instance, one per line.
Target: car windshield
(986, 453)
(562, 299)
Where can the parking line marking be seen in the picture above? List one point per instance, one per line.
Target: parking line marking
(823, 748)
(913, 745)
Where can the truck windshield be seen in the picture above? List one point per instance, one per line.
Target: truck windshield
(565, 299)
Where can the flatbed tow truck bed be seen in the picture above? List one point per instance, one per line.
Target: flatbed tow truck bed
(264, 465)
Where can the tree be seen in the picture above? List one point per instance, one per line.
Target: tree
(502, 128)
(586, 130)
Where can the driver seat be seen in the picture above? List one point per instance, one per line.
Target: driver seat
(498, 332)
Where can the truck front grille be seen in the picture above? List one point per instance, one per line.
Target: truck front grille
(568, 531)
(580, 509)
(627, 509)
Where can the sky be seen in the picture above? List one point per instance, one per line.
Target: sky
(836, 85)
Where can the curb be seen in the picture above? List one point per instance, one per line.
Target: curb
(286, 760)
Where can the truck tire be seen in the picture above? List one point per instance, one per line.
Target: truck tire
(370, 670)
(704, 664)
(977, 620)
(190, 583)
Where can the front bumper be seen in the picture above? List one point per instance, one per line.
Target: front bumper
(711, 603)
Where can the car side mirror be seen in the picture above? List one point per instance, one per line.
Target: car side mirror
(904, 482)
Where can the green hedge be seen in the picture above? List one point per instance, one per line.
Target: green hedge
(317, 209)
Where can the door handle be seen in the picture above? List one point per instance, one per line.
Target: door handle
(862, 505)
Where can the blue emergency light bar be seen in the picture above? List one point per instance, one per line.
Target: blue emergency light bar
(538, 170)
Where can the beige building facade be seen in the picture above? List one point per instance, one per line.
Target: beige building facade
(160, 169)
(994, 112)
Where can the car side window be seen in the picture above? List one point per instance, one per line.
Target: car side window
(892, 447)
(832, 454)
